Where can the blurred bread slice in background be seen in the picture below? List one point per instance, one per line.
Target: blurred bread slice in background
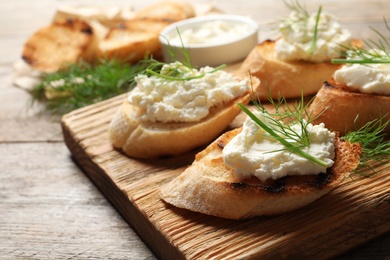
(62, 42)
(92, 33)
(343, 110)
(170, 10)
(138, 37)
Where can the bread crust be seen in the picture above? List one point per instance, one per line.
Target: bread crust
(149, 140)
(59, 44)
(69, 39)
(208, 186)
(137, 38)
(344, 110)
(289, 79)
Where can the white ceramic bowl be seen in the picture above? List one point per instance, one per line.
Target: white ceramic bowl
(196, 35)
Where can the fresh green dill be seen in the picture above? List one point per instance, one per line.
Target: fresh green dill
(315, 32)
(185, 51)
(153, 68)
(375, 51)
(302, 17)
(84, 84)
(294, 6)
(374, 140)
(279, 124)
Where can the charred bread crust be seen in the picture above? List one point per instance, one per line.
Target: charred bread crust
(59, 44)
(342, 109)
(137, 38)
(148, 140)
(208, 186)
(288, 79)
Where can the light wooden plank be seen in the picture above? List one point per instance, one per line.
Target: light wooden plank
(353, 214)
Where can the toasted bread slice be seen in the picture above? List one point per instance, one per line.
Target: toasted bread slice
(138, 37)
(151, 140)
(168, 10)
(128, 45)
(343, 110)
(59, 44)
(208, 186)
(285, 78)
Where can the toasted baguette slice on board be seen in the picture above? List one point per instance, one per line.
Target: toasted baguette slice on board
(168, 10)
(59, 44)
(208, 186)
(151, 140)
(287, 79)
(344, 110)
(128, 45)
(138, 37)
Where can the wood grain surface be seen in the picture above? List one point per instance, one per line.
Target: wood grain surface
(50, 209)
(354, 213)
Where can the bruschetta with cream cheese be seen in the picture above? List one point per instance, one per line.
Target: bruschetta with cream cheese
(165, 116)
(299, 61)
(355, 95)
(244, 174)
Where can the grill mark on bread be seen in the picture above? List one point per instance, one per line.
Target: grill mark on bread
(208, 186)
(59, 44)
(337, 106)
(322, 179)
(284, 184)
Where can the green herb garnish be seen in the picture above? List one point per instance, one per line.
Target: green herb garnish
(296, 6)
(374, 141)
(372, 137)
(154, 67)
(84, 84)
(279, 123)
(314, 40)
(303, 17)
(376, 52)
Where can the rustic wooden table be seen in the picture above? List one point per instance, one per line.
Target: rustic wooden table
(48, 207)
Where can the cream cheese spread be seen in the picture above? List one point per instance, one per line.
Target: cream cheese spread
(213, 32)
(162, 100)
(365, 78)
(297, 36)
(254, 153)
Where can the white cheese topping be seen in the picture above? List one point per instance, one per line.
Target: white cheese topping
(212, 32)
(162, 100)
(297, 37)
(254, 153)
(365, 78)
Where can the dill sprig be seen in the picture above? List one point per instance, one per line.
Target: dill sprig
(315, 32)
(294, 6)
(304, 15)
(83, 84)
(279, 125)
(375, 51)
(374, 140)
(153, 67)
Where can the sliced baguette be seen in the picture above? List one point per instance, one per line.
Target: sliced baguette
(285, 78)
(134, 39)
(148, 140)
(59, 44)
(168, 10)
(128, 45)
(343, 110)
(208, 186)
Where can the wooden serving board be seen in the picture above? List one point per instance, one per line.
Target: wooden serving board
(353, 214)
